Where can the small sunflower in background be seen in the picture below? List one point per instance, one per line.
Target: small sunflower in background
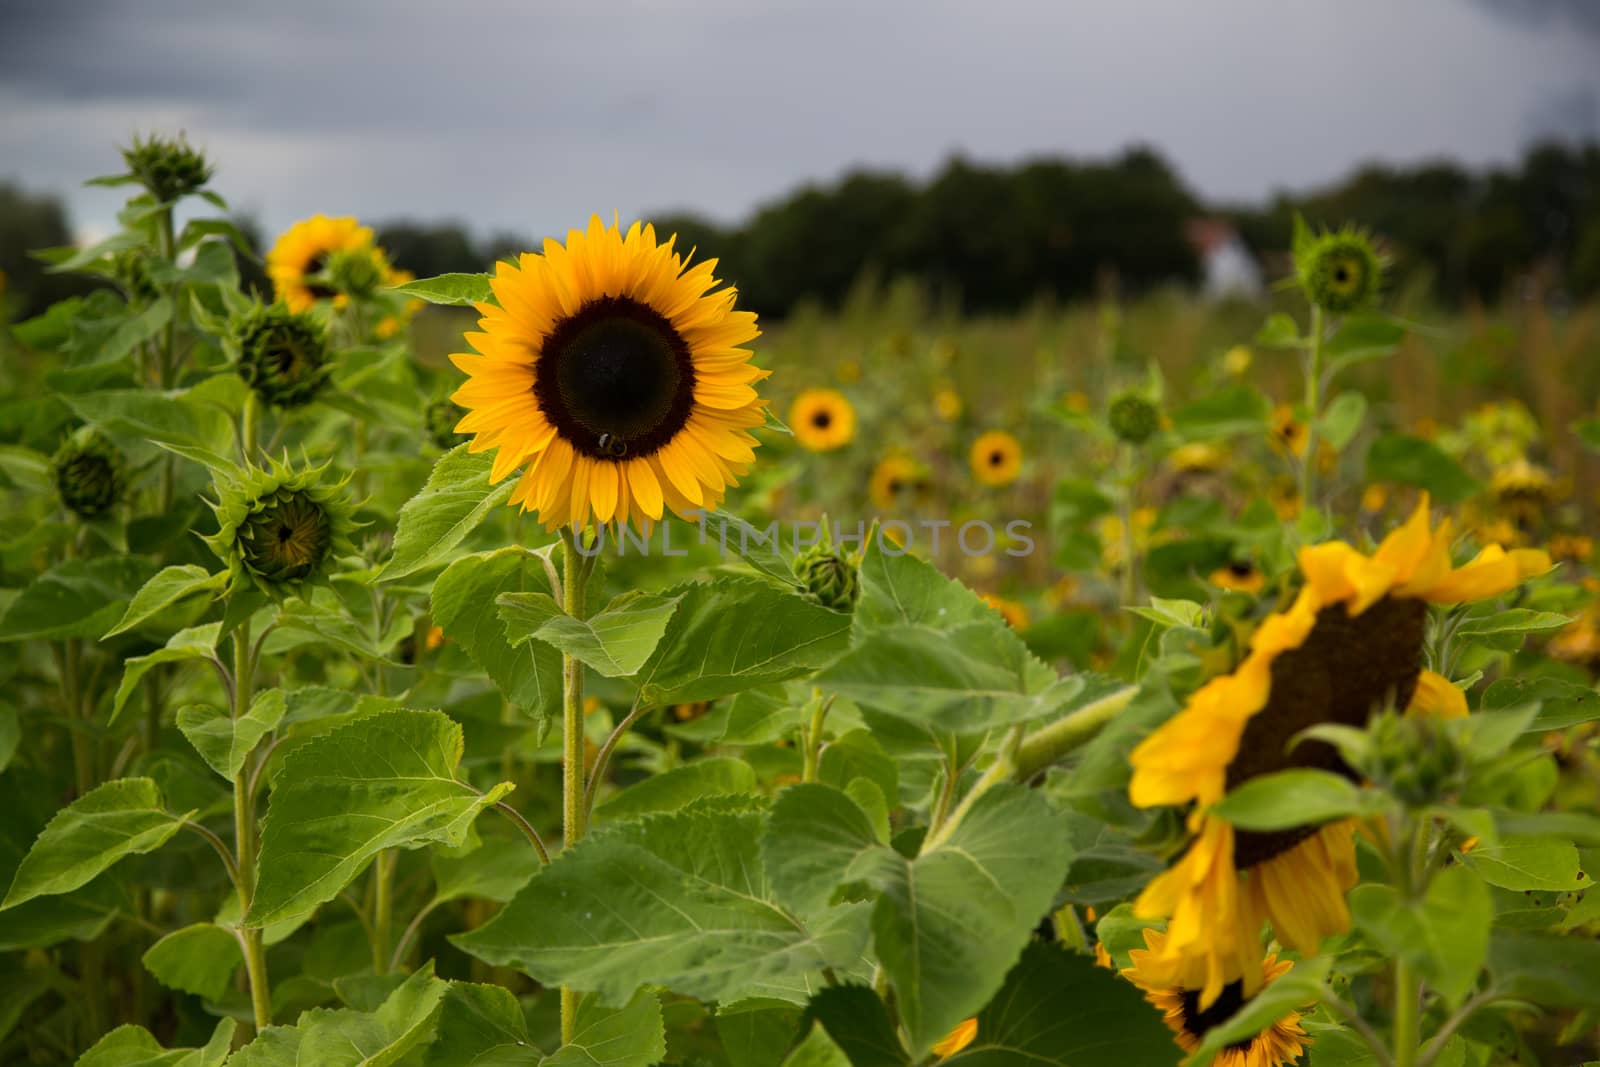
(614, 374)
(1015, 614)
(1239, 576)
(1339, 271)
(1288, 432)
(1277, 1045)
(1352, 640)
(300, 260)
(1523, 492)
(995, 458)
(893, 479)
(1374, 498)
(947, 403)
(822, 420)
(1236, 361)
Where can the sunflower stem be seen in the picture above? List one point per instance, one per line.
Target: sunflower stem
(244, 832)
(167, 357)
(575, 577)
(1407, 1012)
(1130, 577)
(813, 737)
(1002, 769)
(1047, 745)
(1308, 462)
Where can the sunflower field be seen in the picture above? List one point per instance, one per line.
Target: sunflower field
(556, 665)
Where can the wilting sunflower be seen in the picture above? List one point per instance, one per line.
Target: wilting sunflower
(956, 1039)
(822, 420)
(1277, 1045)
(613, 376)
(893, 477)
(996, 458)
(305, 249)
(1351, 641)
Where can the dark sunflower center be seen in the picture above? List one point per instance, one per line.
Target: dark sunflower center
(996, 458)
(1197, 1022)
(1345, 670)
(616, 379)
(822, 420)
(289, 541)
(1239, 570)
(895, 486)
(316, 265)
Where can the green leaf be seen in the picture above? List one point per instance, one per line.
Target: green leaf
(680, 900)
(197, 642)
(615, 642)
(1512, 621)
(121, 818)
(817, 1049)
(134, 1046)
(1562, 703)
(860, 1025)
(1558, 972)
(161, 418)
(1279, 331)
(1404, 460)
(75, 598)
(765, 550)
(630, 1036)
(681, 786)
(480, 1026)
(1588, 431)
(226, 743)
(1359, 339)
(1228, 412)
(735, 634)
(529, 677)
(1523, 863)
(455, 499)
(902, 589)
(168, 587)
(198, 959)
(1286, 799)
(819, 840)
(1295, 991)
(1446, 935)
(454, 290)
(1172, 613)
(10, 734)
(386, 780)
(347, 1038)
(495, 870)
(757, 1033)
(1057, 1007)
(1341, 420)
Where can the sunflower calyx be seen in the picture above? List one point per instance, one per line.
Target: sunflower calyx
(1415, 758)
(281, 354)
(1339, 271)
(1133, 418)
(356, 272)
(89, 473)
(169, 169)
(828, 575)
(279, 528)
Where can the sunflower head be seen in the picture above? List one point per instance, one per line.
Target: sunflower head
(89, 473)
(300, 263)
(1133, 418)
(440, 421)
(830, 576)
(995, 458)
(281, 354)
(947, 403)
(1015, 614)
(168, 168)
(1415, 757)
(614, 375)
(280, 527)
(1239, 576)
(1339, 271)
(822, 420)
(894, 477)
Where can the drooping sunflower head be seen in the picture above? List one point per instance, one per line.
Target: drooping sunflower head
(995, 458)
(1278, 1045)
(279, 528)
(168, 168)
(299, 263)
(281, 354)
(1133, 418)
(894, 478)
(822, 420)
(1339, 271)
(614, 374)
(89, 473)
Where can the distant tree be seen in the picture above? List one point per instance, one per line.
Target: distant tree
(29, 222)
(429, 249)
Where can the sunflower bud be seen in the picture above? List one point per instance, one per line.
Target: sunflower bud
(134, 275)
(1340, 272)
(168, 169)
(88, 472)
(1415, 758)
(440, 421)
(279, 528)
(357, 272)
(828, 575)
(283, 355)
(1133, 418)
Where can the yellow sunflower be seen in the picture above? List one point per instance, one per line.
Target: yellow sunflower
(305, 249)
(1015, 614)
(1240, 576)
(892, 478)
(1352, 640)
(1276, 1046)
(613, 376)
(822, 420)
(996, 458)
(947, 403)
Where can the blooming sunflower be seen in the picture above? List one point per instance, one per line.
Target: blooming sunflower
(305, 249)
(1277, 1045)
(996, 458)
(612, 374)
(893, 476)
(1351, 641)
(822, 420)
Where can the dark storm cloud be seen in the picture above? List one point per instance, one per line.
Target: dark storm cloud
(1580, 14)
(527, 116)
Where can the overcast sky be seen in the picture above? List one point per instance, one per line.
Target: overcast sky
(526, 116)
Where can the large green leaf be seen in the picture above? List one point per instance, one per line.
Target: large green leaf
(347, 1038)
(1559, 972)
(681, 786)
(134, 1046)
(198, 959)
(455, 499)
(496, 870)
(615, 642)
(463, 599)
(75, 598)
(735, 634)
(630, 1036)
(680, 900)
(1404, 460)
(168, 587)
(817, 1049)
(1286, 799)
(385, 780)
(224, 742)
(899, 588)
(480, 1026)
(161, 418)
(1530, 863)
(455, 290)
(859, 1023)
(121, 818)
(1445, 935)
(197, 642)
(1228, 412)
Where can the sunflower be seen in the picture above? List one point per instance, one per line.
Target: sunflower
(822, 420)
(894, 476)
(1277, 1045)
(947, 403)
(613, 376)
(996, 458)
(1240, 576)
(1351, 641)
(1288, 432)
(1015, 614)
(305, 249)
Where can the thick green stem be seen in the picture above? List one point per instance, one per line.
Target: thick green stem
(813, 738)
(1001, 770)
(247, 428)
(167, 358)
(1407, 1012)
(1130, 576)
(1308, 462)
(575, 575)
(382, 910)
(244, 832)
(1047, 745)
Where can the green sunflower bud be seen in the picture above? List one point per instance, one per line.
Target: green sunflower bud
(133, 274)
(89, 474)
(280, 528)
(829, 576)
(1415, 758)
(282, 355)
(1133, 418)
(356, 272)
(169, 169)
(1339, 272)
(440, 422)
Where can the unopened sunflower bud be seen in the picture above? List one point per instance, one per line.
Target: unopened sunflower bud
(280, 528)
(1415, 758)
(1340, 272)
(1133, 418)
(357, 272)
(440, 422)
(830, 576)
(169, 169)
(89, 474)
(282, 355)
